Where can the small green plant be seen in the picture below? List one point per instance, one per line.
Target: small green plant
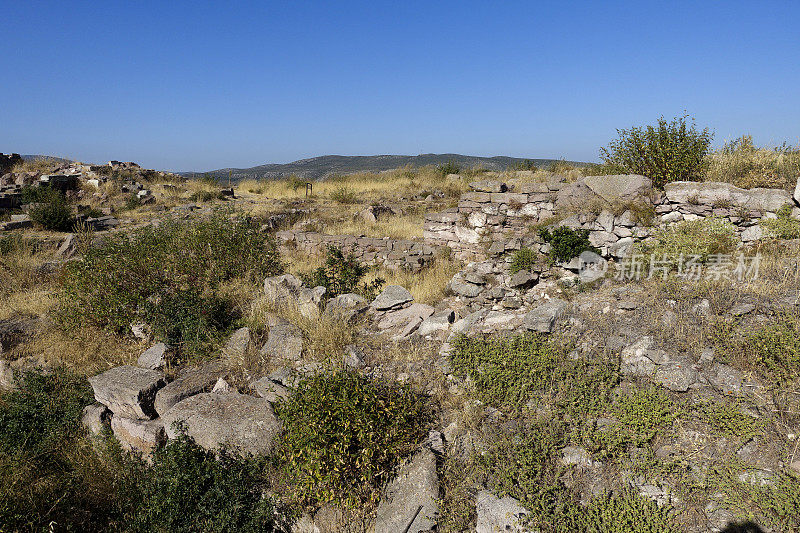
(190, 489)
(669, 151)
(132, 201)
(727, 419)
(51, 209)
(344, 195)
(522, 259)
(782, 227)
(295, 182)
(626, 512)
(645, 412)
(451, 167)
(342, 274)
(345, 433)
(203, 196)
(566, 243)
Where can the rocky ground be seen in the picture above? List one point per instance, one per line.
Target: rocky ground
(674, 391)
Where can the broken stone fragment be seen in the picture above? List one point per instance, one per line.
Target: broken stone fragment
(128, 391)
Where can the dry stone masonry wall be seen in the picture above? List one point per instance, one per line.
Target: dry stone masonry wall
(616, 210)
(406, 254)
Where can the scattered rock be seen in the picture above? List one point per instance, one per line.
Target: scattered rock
(437, 322)
(410, 501)
(392, 297)
(138, 436)
(241, 424)
(499, 514)
(522, 279)
(725, 379)
(284, 342)
(543, 317)
(741, 309)
(237, 346)
(676, 376)
(128, 391)
(270, 390)
(346, 306)
(488, 186)
(188, 383)
(154, 357)
(96, 418)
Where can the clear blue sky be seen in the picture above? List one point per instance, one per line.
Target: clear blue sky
(202, 85)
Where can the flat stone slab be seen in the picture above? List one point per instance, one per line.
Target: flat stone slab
(138, 436)
(284, 341)
(154, 357)
(710, 193)
(499, 514)
(236, 422)
(128, 391)
(542, 318)
(392, 297)
(410, 500)
(190, 382)
(619, 187)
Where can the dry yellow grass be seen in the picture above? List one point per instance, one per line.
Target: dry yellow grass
(427, 286)
(407, 226)
(745, 165)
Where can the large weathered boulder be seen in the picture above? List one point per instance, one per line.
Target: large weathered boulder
(236, 422)
(128, 391)
(138, 436)
(499, 514)
(281, 290)
(188, 383)
(620, 187)
(284, 341)
(392, 297)
(542, 318)
(410, 501)
(237, 346)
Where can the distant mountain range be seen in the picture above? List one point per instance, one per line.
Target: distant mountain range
(318, 168)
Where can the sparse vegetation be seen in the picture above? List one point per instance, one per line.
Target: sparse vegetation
(745, 165)
(342, 274)
(522, 259)
(669, 151)
(451, 167)
(344, 195)
(345, 433)
(696, 240)
(50, 209)
(782, 227)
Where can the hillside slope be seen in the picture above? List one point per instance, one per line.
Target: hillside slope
(316, 168)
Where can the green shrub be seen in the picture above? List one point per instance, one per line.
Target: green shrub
(167, 276)
(190, 489)
(51, 210)
(626, 513)
(525, 164)
(645, 412)
(295, 183)
(669, 151)
(510, 373)
(697, 239)
(344, 195)
(522, 259)
(566, 243)
(727, 419)
(342, 274)
(451, 167)
(782, 227)
(344, 434)
(48, 474)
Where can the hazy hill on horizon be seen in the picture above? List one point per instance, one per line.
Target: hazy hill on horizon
(317, 168)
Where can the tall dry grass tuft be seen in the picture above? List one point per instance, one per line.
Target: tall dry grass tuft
(429, 286)
(745, 165)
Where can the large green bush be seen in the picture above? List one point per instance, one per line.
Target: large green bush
(345, 433)
(190, 489)
(168, 276)
(342, 274)
(50, 209)
(669, 151)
